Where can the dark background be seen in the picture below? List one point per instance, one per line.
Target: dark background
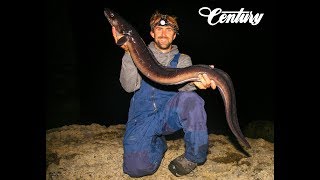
(83, 62)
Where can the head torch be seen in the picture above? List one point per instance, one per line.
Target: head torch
(164, 22)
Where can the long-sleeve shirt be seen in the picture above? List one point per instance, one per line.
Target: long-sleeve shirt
(130, 79)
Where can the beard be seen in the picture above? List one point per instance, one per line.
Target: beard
(163, 43)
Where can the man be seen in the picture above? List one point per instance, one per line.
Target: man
(157, 110)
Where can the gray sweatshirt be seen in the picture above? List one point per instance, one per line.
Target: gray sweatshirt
(130, 79)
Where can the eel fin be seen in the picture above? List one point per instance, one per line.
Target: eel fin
(122, 40)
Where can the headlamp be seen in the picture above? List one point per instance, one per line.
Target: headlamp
(164, 22)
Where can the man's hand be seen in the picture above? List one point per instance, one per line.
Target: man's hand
(117, 36)
(205, 82)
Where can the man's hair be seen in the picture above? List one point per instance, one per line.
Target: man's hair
(170, 20)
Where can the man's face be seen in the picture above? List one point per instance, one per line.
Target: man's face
(163, 36)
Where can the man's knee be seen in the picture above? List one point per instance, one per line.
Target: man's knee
(191, 111)
(137, 165)
(190, 100)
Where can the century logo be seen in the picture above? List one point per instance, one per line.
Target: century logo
(216, 16)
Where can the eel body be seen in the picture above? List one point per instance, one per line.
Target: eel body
(145, 61)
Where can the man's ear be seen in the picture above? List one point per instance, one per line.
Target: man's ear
(174, 36)
(152, 34)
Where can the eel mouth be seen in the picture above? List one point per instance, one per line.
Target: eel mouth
(110, 16)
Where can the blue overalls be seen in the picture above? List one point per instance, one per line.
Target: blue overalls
(155, 112)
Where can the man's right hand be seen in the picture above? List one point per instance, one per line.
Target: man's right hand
(117, 36)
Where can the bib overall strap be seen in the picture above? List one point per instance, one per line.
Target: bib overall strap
(174, 62)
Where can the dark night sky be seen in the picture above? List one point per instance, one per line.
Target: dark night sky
(84, 63)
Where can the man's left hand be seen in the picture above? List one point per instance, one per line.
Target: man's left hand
(205, 82)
